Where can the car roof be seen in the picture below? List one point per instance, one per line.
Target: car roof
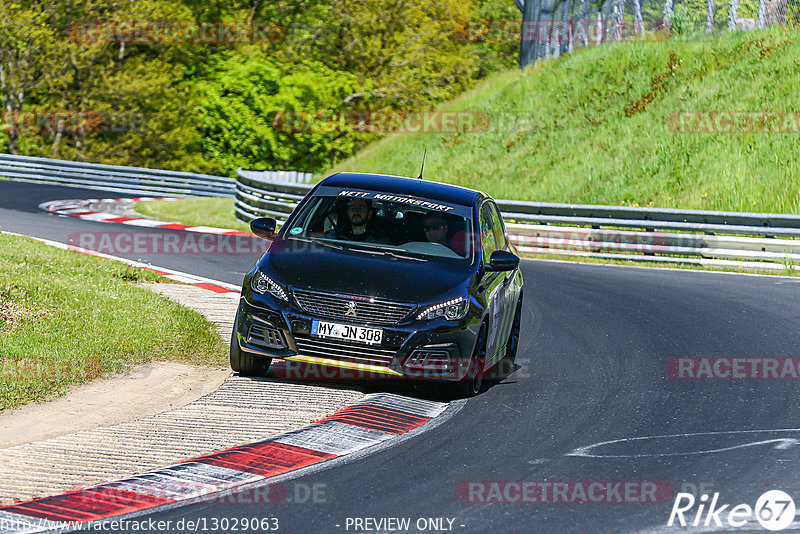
(406, 186)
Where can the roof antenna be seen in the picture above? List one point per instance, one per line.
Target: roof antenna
(423, 164)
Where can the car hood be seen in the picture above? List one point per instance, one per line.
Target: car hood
(308, 266)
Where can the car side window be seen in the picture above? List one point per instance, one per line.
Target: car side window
(497, 225)
(487, 233)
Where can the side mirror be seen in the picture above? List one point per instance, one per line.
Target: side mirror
(502, 260)
(264, 227)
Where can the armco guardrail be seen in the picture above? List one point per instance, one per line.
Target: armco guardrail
(714, 238)
(136, 180)
(269, 193)
(729, 222)
(753, 240)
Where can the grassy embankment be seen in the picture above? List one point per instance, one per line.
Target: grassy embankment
(592, 128)
(66, 318)
(560, 131)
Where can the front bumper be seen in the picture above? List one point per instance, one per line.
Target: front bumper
(427, 350)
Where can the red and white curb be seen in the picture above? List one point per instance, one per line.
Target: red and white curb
(204, 283)
(374, 419)
(78, 208)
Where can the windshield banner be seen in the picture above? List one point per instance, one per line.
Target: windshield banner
(436, 205)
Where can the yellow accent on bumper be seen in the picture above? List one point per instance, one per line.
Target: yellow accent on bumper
(344, 365)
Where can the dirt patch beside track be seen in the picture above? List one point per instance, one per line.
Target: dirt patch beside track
(144, 390)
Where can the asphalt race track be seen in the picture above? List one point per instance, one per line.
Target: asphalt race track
(592, 368)
(19, 212)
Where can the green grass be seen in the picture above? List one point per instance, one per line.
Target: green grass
(216, 212)
(67, 318)
(559, 131)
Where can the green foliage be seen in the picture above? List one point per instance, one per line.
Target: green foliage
(499, 49)
(240, 114)
(410, 50)
(211, 107)
(691, 14)
(682, 20)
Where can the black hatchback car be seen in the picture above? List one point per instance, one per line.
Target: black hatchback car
(385, 277)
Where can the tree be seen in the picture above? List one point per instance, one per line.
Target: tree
(409, 49)
(28, 60)
(255, 114)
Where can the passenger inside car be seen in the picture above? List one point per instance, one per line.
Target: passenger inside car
(435, 227)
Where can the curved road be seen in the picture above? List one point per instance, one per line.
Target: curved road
(19, 212)
(592, 368)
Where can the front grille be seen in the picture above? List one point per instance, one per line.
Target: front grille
(344, 351)
(368, 311)
(266, 336)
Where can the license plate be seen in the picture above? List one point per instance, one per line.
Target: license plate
(348, 332)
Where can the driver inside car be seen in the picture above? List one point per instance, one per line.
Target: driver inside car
(358, 226)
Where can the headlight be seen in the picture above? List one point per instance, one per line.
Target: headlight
(451, 310)
(262, 283)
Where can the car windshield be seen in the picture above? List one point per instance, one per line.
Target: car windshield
(386, 223)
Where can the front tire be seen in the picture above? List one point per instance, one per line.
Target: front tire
(247, 363)
(470, 385)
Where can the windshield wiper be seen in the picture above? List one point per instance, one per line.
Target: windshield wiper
(318, 242)
(375, 251)
(400, 256)
(386, 252)
(368, 248)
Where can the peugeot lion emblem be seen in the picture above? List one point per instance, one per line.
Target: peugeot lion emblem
(351, 309)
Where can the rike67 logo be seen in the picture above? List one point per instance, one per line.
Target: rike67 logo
(774, 510)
